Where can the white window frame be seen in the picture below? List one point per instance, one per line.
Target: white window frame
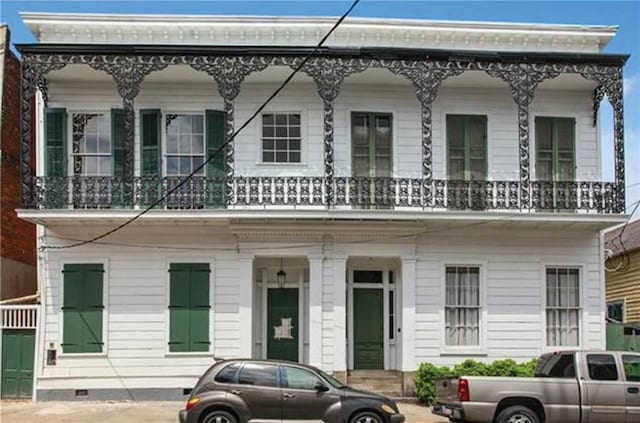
(164, 139)
(167, 318)
(481, 348)
(303, 137)
(105, 311)
(581, 313)
(70, 154)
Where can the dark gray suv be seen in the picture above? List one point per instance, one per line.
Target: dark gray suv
(241, 391)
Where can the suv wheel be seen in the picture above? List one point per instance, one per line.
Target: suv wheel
(366, 417)
(219, 416)
(517, 414)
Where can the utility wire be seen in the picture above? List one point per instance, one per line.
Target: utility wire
(222, 147)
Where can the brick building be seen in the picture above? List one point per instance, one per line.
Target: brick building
(17, 237)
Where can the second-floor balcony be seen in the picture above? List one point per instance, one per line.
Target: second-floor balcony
(84, 192)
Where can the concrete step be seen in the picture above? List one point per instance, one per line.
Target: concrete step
(386, 389)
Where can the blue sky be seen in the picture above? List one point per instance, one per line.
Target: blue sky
(625, 14)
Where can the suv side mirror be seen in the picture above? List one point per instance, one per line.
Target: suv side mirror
(321, 387)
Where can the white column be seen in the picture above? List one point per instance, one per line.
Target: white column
(408, 314)
(340, 314)
(245, 311)
(315, 310)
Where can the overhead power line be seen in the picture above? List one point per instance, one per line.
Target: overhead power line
(221, 148)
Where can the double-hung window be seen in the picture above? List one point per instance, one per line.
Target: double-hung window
(563, 306)
(615, 310)
(462, 306)
(185, 143)
(281, 138)
(91, 144)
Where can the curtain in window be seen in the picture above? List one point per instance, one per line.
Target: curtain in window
(563, 307)
(462, 306)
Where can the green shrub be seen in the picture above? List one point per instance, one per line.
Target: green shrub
(427, 374)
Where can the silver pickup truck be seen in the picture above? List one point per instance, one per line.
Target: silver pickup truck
(568, 387)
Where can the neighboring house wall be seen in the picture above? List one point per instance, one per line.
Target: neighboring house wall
(17, 237)
(624, 285)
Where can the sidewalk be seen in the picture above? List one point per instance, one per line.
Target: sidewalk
(132, 412)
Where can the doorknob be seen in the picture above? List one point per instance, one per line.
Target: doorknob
(633, 390)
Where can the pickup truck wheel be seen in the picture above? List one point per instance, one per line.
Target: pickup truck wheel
(517, 414)
(366, 417)
(219, 416)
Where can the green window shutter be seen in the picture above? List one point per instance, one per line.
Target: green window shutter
(215, 139)
(150, 136)
(189, 307)
(55, 139)
(73, 304)
(199, 308)
(82, 308)
(93, 309)
(179, 308)
(215, 132)
(117, 141)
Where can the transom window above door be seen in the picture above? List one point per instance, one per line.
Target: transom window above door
(91, 144)
(185, 143)
(281, 138)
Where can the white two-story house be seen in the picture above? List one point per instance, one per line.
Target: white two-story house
(420, 191)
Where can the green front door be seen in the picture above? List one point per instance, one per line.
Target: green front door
(17, 363)
(368, 329)
(282, 324)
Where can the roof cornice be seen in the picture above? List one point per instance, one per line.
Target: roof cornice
(364, 52)
(354, 32)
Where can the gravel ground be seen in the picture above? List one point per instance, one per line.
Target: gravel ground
(132, 412)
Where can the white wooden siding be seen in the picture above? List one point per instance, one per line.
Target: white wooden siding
(398, 99)
(136, 355)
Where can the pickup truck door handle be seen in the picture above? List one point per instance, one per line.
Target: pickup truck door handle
(287, 395)
(633, 390)
(236, 392)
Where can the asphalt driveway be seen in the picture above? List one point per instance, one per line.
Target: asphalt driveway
(131, 412)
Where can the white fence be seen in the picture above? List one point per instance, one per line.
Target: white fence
(18, 316)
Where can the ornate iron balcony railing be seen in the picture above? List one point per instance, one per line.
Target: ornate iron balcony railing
(88, 192)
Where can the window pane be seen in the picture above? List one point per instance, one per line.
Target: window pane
(197, 144)
(477, 129)
(455, 131)
(556, 365)
(173, 165)
(184, 145)
(258, 375)
(281, 157)
(267, 119)
(172, 143)
(281, 120)
(544, 134)
(104, 144)
(281, 131)
(90, 166)
(294, 119)
(367, 276)
(268, 157)
(602, 367)
(294, 145)
(294, 131)
(462, 310)
(296, 378)
(565, 134)
(227, 375)
(631, 367)
(268, 131)
(294, 157)
(198, 125)
(268, 144)
(615, 311)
